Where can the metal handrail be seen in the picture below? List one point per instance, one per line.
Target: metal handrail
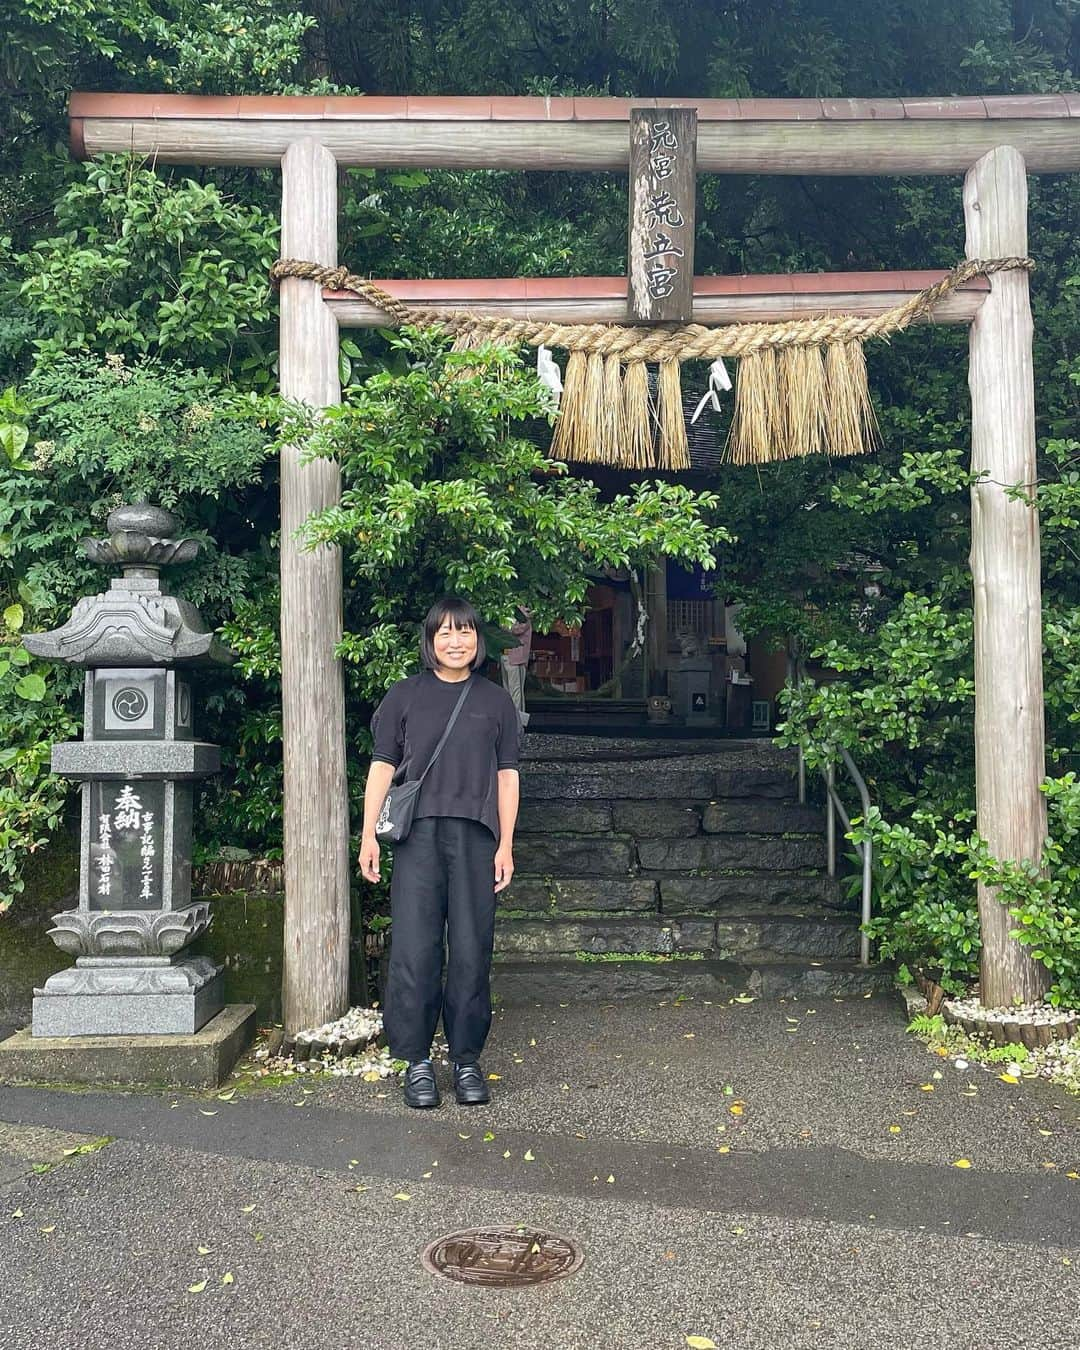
(834, 807)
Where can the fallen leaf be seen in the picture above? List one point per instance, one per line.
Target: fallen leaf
(533, 1041)
(962, 1162)
(669, 1256)
(894, 1129)
(426, 1176)
(688, 1035)
(738, 1231)
(494, 1077)
(1008, 1078)
(736, 1110)
(204, 1251)
(17, 1214)
(926, 1087)
(700, 1343)
(464, 1136)
(1050, 1167)
(724, 1148)
(1065, 1261)
(226, 1096)
(1046, 1133)
(247, 1209)
(506, 1154)
(611, 1176)
(529, 1155)
(206, 1113)
(51, 1229)
(791, 1019)
(488, 1137)
(743, 998)
(196, 1288)
(258, 1237)
(371, 1076)
(1073, 1176)
(403, 1195)
(227, 1278)
(302, 1102)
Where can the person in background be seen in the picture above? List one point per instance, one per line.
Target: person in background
(515, 664)
(457, 854)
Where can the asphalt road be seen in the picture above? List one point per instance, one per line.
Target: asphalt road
(833, 1217)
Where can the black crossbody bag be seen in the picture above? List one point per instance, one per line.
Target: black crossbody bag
(399, 806)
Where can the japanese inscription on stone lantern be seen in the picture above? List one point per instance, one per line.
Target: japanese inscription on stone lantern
(663, 160)
(127, 852)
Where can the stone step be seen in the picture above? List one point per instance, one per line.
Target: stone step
(562, 980)
(572, 895)
(570, 855)
(702, 777)
(730, 752)
(727, 853)
(619, 855)
(669, 819)
(747, 892)
(823, 934)
(721, 897)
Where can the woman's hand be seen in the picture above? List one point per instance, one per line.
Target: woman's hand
(369, 859)
(504, 867)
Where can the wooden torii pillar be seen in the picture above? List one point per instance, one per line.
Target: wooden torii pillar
(994, 141)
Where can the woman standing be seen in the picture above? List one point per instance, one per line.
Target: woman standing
(457, 855)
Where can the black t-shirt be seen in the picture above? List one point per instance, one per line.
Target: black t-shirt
(408, 724)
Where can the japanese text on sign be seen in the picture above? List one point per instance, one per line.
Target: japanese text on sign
(663, 160)
(660, 252)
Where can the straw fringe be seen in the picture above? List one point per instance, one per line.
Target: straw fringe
(751, 438)
(570, 426)
(638, 417)
(673, 449)
(614, 422)
(850, 425)
(802, 397)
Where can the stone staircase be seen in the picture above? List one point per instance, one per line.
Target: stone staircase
(666, 866)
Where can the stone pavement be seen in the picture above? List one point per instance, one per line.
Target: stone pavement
(765, 1175)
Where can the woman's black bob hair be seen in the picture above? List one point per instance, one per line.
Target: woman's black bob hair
(460, 615)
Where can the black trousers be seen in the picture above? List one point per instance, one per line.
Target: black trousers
(444, 878)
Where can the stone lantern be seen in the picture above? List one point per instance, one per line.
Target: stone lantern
(137, 762)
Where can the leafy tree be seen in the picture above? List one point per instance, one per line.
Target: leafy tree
(442, 491)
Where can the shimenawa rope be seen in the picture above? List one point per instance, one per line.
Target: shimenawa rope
(801, 386)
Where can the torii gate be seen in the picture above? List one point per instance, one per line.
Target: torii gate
(993, 141)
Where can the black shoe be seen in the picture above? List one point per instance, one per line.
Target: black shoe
(421, 1089)
(469, 1085)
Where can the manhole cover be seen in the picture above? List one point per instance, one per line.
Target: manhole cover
(502, 1256)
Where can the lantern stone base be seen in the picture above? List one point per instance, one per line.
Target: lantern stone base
(129, 996)
(202, 1060)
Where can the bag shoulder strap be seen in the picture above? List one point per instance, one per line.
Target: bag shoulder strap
(449, 727)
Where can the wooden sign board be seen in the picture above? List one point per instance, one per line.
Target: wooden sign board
(663, 166)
